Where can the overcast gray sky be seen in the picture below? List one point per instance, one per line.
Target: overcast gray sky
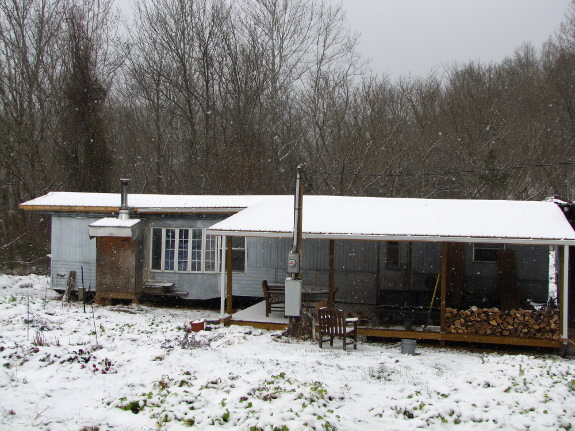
(403, 37)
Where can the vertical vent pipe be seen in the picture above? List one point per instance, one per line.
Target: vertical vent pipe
(124, 213)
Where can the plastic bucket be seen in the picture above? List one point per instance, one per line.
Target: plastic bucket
(408, 346)
(197, 325)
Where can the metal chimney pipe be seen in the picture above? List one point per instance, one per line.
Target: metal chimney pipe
(297, 211)
(124, 213)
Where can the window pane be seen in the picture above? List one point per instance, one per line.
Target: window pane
(238, 260)
(183, 242)
(211, 249)
(157, 249)
(197, 234)
(485, 252)
(238, 242)
(170, 246)
(196, 261)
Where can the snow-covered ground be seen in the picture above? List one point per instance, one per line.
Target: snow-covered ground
(142, 373)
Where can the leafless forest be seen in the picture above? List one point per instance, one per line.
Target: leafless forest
(228, 96)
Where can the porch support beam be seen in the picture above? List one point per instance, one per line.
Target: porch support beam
(444, 252)
(486, 339)
(229, 275)
(331, 294)
(565, 295)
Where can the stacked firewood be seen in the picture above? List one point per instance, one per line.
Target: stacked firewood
(515, 323)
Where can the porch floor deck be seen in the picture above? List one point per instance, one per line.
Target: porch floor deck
(255, 316)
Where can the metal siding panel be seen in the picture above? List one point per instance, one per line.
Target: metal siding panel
(61, 270)
(250, 282)
(532, 271)
(315, 255)
(197, 285)
(426, 257)
(356, 256)
(320, 278)
(356, 287)
(185, 221)
(267, 252)
(532, 262)
(72, 249)
(267, 258)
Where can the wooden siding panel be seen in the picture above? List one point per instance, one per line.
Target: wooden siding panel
(116, 268)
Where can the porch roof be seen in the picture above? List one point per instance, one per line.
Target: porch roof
(400, 219)
(140, 203)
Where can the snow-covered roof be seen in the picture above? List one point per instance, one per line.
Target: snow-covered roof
(339, 217)
(115, 227)
(115, 222)
(343, 217)
(141, 203)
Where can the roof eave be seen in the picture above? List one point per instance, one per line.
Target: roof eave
(104, 209)
(70, 209)
(414, 238)
(211, 210)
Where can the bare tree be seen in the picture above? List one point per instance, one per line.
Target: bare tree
(29, 63)
(29, 60)
(566, 34)
(93, 52)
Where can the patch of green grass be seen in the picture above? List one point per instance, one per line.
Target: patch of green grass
(226, 416)
(189, 422)
(133, 406)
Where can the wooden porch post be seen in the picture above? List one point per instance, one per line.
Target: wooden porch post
(331, 294)
(443, 277)
(229, 275)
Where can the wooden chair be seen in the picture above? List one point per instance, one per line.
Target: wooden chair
(333, 323)
(315, 317)
(274, 297)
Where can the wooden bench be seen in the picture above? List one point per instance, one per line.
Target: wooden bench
(274, 297)
(333, 323)
(152, 287)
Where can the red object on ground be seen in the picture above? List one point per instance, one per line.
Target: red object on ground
(197, 325)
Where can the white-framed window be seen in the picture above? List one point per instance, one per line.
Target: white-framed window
(169, 249)
(486, 252)
(196, 257)
(211, 253)
(184, 250)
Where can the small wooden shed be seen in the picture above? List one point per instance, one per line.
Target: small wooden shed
(119, 258)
